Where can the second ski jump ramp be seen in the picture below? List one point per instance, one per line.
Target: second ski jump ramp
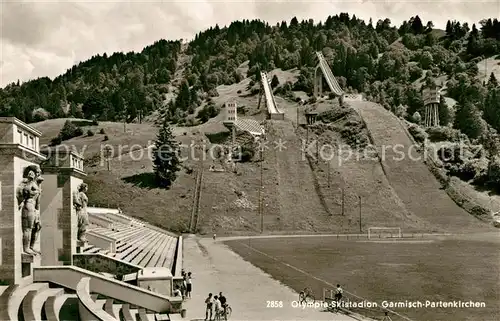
(274, 112)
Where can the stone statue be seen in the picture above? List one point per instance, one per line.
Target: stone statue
(80, 201)
(28, 202)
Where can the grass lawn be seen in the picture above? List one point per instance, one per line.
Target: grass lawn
(463, 269)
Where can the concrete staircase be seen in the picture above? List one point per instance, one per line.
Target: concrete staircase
(39, 301)
(64, 292)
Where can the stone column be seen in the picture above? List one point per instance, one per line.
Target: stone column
(63, 174)
(318, 82)
(18, 149)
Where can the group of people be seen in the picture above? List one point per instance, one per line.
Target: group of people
(216, 306)
(187, 285)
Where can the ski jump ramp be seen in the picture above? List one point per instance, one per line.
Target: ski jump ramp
(272, 108)
(327, 72)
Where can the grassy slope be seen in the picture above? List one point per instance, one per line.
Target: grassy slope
(222, 206)
(300, 205)
(129, 184)
(293, 193)
(412, 181)
(360, 176)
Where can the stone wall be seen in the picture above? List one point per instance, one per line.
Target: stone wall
(50, 208)
(12, 164)
(58, 216)
(6, 133)
(101, 263)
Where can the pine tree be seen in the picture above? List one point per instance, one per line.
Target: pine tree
(166, 162)
(183, 99)
(275, 82)
(492, 108)
(417, 26)
(448, 30)
(492, 82)
(444, 112)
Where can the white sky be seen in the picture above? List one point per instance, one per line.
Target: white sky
(44, 38)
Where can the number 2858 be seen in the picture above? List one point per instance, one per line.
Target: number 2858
(274, 304)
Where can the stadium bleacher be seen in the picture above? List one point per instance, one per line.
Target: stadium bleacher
(137, 242)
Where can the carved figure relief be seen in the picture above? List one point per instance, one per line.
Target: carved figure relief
(80, 201)
(28, 201)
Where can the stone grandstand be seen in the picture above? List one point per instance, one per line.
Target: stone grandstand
(124, 269)
(130, 240)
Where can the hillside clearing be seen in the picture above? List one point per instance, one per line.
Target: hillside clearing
(488, 66)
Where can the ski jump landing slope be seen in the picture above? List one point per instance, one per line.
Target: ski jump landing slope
(415, 185)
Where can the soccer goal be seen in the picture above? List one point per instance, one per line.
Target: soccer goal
(384, 232)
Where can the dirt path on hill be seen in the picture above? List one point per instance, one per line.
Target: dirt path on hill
(415, 185)
(180, 65)
(216, 268)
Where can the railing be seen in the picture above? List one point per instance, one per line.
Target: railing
(101, 210)
(119, 218)
(356, 97)
(195, 197)
(69, 276)
(101, 241)
(178, 278)
(98, 262)
(198, 200)
(195, 211)
(157, 229)
(87, 308)
(337, 89)
(178, 258)
(100, 220)
(250, 125)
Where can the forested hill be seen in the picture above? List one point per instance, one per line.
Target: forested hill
(107, 87)
(382, 60)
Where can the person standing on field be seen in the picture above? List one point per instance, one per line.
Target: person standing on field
(223, 302)
(217, 306)
(338, 296)
(209, 302)
(189, 285)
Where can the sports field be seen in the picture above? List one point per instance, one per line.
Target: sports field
(446, 269)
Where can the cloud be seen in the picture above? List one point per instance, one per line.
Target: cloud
(41, 38)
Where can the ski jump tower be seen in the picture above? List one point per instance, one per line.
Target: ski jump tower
(431, 98)
(272, 108)
(329, 77)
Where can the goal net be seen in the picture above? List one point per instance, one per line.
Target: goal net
(384, 232)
